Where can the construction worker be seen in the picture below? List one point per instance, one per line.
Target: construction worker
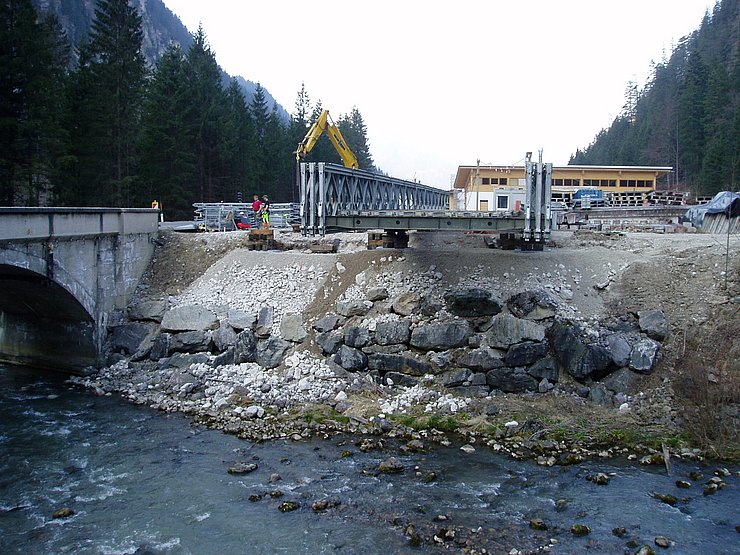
(265, 210)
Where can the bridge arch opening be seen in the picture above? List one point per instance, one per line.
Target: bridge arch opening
(42, 324)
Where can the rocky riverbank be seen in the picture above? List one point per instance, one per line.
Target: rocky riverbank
(541, 355)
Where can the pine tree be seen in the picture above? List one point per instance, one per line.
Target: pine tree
(32, 74)
(105, 104)
(354, 131)
(168, 162)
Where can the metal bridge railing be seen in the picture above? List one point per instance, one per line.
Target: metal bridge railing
(223, 216)
(329, 189)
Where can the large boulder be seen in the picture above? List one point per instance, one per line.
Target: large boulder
(357, 336)
(620, 348)
(578, 356)
(506, 330)
(329, 322)
(190, 342)
(406, 304)
(350, 359)
(330, 341)
(152, 309)
(183, 360)
(533, 305)
(526, 353)
(353, 308)
(394, 362)
(473, 302)
(291, 328)
(455, 377)
(511, 380)
(623, 380)
(271, 351)
(545, 369)
(245, 347)
(241, 320)
(189, 318)
(653, 323)
(393, 332)
(439, 337)
(644, 355)
(128, 338)
(265, 318)
(223, 337)
(480, 360)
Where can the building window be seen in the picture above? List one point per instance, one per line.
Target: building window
(486, 180)
(494, 181)
(649, 182)
(631, 183)
(503, 181)
(502, 202)
(622, 182)
(571, 182)
(557, 182)
(612, 183)
(484, 205)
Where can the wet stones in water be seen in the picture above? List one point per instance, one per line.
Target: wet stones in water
(580, 530)
(414, 538)
(665, 498)
(619, 532)
(346, 453)
(63, 513)
(255, 497)
(391, 466)
(288, 506)
(695, 475)
(275, 494)
(600, 479)
(413, 446)
(683, 484)
(242, 468)
(561, 505)
(662, 541)
(324, 504)
(537, 524)
(645, 550)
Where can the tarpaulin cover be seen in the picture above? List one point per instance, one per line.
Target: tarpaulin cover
(725, 202)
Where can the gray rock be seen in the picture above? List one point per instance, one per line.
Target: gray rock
(390, 362)
(439, 337)
(160, 347)
(472, 302)
(481, 359)
(581, 359)
(241, 320)
(351, 359)
(511, 380)
(600, 395)
(653, 323)
(506, 330)
(533, 305)
(352, 308)
(621, 381)
(189, 318)
(526, 353)
(475, 391)
(431, 306)
(254, 411)
(406, 304)
(375, 294)
(291, 328)
(152, 310)
(620, 348)
(190, 342)
(393, 332)
(227, 357)
(644, 355)
(330, 341)
(397, 378)
(545, 369)
(328, 323)
(245, 348)
(544, 386)
(264, 322)
(455, 377)
(223, 337)
(128, 338)
(271, 352)
(357, 336)
(183, 360)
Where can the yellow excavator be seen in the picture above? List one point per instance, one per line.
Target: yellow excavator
(325, 124)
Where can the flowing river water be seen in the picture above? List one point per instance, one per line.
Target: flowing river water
(145, 482)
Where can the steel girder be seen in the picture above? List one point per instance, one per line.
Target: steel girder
(329, 189)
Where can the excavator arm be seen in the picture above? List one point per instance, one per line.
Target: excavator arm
(324, 124)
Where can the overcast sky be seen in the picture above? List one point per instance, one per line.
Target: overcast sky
(443, 84)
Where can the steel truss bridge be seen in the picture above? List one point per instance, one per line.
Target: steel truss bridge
(335, 197)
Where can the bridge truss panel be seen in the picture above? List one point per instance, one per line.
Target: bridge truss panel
(330, 190)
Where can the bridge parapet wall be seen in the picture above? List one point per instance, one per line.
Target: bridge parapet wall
(95, 255)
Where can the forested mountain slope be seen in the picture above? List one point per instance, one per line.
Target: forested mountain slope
(687, 115)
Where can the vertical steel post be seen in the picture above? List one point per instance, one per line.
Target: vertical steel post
(312, 197)
(321, 205)
(303, 202)
(538, 203)
(548, 200)
(529, 185)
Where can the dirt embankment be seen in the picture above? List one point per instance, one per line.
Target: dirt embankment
(693, 278)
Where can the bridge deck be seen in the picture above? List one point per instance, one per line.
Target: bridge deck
(425, 220)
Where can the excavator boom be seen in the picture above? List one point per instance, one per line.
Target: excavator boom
(321, 125)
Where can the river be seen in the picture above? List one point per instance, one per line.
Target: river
(145, 482)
